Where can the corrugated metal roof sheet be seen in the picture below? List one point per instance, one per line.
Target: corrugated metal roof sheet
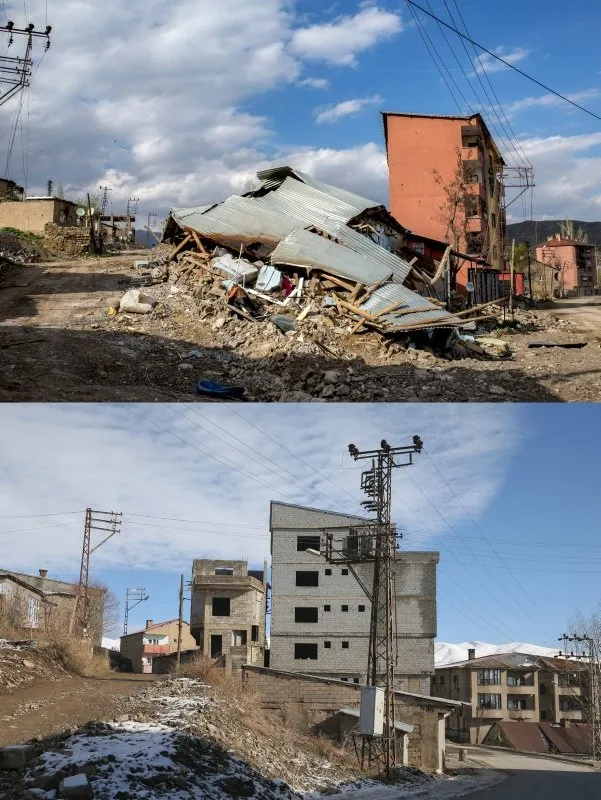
(238, 220)
(305, 249)
(397, 293)
(275, 177)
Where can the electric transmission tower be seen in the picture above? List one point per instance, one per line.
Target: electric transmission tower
(375, 542)
(591, 655)
(108, 522)
(132, 206)
(133, 598)
(105, 197)
(15, 71)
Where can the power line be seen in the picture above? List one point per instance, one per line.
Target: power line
(28, 516)
(507, 63)
(423, 34)
(525, 159)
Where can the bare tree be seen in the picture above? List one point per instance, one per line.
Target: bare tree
(104, 611)
(568, 231)
(589, 627)
(13, 612)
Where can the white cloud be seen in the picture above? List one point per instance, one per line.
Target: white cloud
(345, 108)
(486, 62)
(548, 101)
(339, 42)
(315, 83)
(58, 459)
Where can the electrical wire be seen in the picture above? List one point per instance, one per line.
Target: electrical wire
(479, 529)
(524, 157)
(507, 63)
(423, 35)
(301, 483)
(29, 516)
(41, 527)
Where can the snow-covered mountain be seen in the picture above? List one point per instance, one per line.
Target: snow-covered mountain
(446, 653)
(110, 644)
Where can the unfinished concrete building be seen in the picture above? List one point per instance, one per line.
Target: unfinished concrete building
(320, 615)
(228, 611)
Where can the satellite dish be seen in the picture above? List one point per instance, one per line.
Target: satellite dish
(80, 211)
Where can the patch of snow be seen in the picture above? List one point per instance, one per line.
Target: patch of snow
(447, 653)
(75, 781)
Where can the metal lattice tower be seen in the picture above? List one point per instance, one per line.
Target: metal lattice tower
(108, 522)
(377, 485)
(133, 598)
(105, 198)
(15, 71)
(592, 655)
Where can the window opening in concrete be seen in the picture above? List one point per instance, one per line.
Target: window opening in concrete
(489, 701)
(224, 570)
(361, 608)
(327, 645)
(345, 645)
(303, 650)
(305, 614)
(489, 677)
(344, 608)
(255, 633)
(221, 606)
(328, 571)
(345, 679)
(308, 542)
(327, 608)
(344, 571)
(307, 578)
(238, 638)
(355, 680)
(216, 645)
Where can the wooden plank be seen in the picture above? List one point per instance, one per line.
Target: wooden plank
(199, 244)
(333, 279)
(305, 311)
(371, 290)
(440, 323)
(358, 325)
(240, 313)
(357, 311)
(180, 246)
(358, 288)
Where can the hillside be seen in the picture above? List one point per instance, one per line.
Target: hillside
(446, 653)
(540, 231)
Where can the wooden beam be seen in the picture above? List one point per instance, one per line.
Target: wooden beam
(338, 282)
(372, 289)
(357, 311)
(354, 294)
(180, 246)
(199, 244)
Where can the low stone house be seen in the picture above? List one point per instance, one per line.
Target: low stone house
(156, 639)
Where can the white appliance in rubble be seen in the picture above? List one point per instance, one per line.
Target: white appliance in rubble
(371, 714)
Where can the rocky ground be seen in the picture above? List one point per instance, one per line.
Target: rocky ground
(180, 738)
(62, 339)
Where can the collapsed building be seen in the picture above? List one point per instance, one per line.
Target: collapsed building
(296, 244)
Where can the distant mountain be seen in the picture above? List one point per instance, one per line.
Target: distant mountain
(445, 653)
(539, 232)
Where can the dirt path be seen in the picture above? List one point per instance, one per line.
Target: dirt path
(46, 708)
(61, 345)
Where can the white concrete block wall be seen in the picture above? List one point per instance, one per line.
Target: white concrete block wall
(415, 602)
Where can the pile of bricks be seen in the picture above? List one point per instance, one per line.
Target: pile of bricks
(62, 240)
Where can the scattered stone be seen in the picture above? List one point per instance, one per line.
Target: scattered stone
(16, 756)
(135, 301)
(76, 787)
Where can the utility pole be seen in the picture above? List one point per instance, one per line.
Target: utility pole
(50, 188)
(149, 226)
(180, 623)
(133, 598)
(511, 274)
(108, 522)
(105, 197)
(530, 272)
(15, 71)
(593, 655)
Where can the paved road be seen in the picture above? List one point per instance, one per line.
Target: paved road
(532, 778)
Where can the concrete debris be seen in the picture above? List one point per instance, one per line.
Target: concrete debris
(135, 301)
(16, 756)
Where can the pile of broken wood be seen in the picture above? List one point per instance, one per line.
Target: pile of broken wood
(299, 295)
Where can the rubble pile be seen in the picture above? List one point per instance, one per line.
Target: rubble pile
(14, 250)
(60, 240)
(21, 663)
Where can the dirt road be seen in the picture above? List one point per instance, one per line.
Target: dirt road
(45, 708)
(58, 343)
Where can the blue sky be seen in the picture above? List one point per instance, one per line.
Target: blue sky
(507, 493)
(182, 108)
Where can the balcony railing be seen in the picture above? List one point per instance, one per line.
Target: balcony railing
(156, 650)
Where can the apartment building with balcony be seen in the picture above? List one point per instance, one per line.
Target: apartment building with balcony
(574, 264)
(227, 618)
(156, 639)
(320, 613)
(516, 687)
(446, 185)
